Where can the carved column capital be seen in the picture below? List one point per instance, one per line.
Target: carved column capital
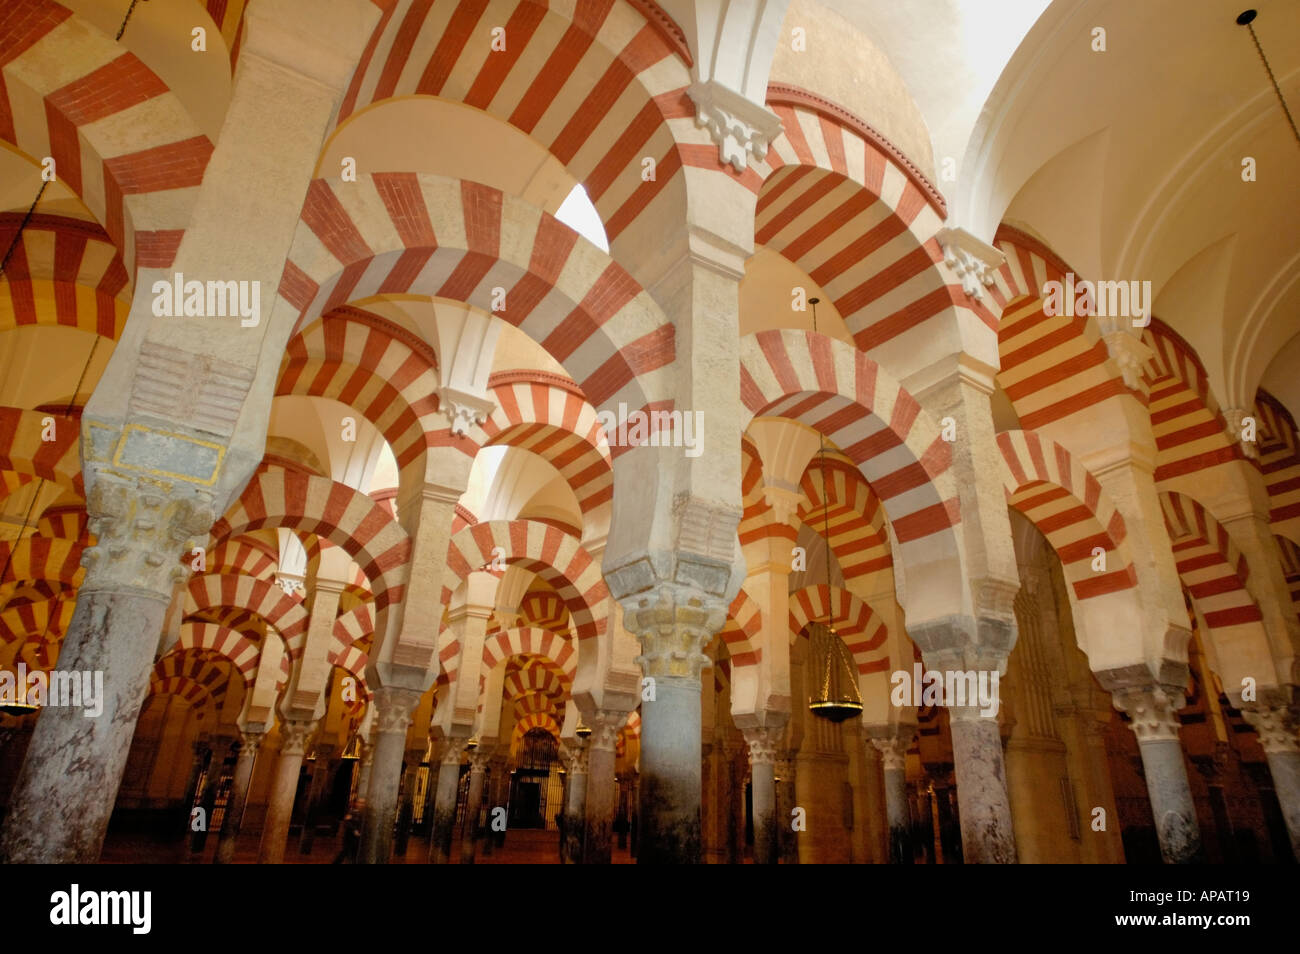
(479, 759)
(893, 752)
(605, 724)
(294, 734)
(1275, 726)
(1153, 711)
(394, 708)
(674, 624)
(575, 758)
(451, 754)
(764, 743)
(250, 740)
(970, 259)
(142, 532)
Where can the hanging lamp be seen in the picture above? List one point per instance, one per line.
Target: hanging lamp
(837, 697)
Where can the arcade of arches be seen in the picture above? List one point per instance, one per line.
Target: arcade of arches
(418, 441)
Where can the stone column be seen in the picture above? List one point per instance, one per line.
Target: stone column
(987, 835)
(284, 789)
(444, 803)
(202, 755)
(575, 803)
(893, 762)
(497, 782)
(602, 788)
(787, 839)
(394, 707)
(1154, 720)
(406, 802)
(1277, 737)
(249, 742)
(320, 773)
(763, 744)
(208, 800)
(478, 763)
(64, 793)
(363, 774)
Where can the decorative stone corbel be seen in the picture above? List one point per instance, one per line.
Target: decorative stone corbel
(1241, 427)
(463, 409)
(970, 259)
(739, 126)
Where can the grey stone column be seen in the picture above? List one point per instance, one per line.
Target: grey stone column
(1277, 737)
(1154, 720)
(893, 762)
(478, 763)
(363, 774)
(575, 802)
(763, 742)
(406, 802)
(320, 774)
(284, 789)
(987, 835)
(208, 799)
(249, 742)
(64, 793)
(393, 709)
(787, 839)
(444, 803)
(602, 786)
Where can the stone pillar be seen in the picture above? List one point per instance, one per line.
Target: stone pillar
(202, 755)
(64, 793)
(787, 839)
(1277, 737)
(987, 835)
(208, 800)
(249, 742)
(444, 803)
(893, 762)
(602, 788)
(498, 793)
(575, 803)
(406, 802)
(1154, 720)
(763, 744)
(394, 707)
(284, 789)
(478, 763)
(363, 774)
(320, 774)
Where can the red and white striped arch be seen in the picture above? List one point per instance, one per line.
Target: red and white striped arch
(1209, 564)
(43, 558)
(24, 452)
(1279, 462)
(288, 614)
(196, 676)
(534, 720)
(548, 415)
(839, 391)
(847, 208)
(244, 554)
(545, 610)
(243, 653)
(119, 136)
(334, 511)
(1290, 551)
(1051, 366)
(1068, 506)
(537, 677)
(407, 233)
(555, 556)
(1189, 428)
(63, 272)
(596, 82)
(531, 641)
(856, 520)
(387, 374)
(348, 638)
(742, 631)
(64, 521)
(862, 630)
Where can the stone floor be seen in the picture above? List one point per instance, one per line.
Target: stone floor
(522, 847)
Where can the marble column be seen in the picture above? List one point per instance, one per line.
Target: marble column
(499, 786)
(1277, 737)
(202, 755)
(575, 802)
(787, 839)
(64, 794)
(478, 763)
(893, 762)
(320, 774)
(208, 800)
(406, 803)
(363, 774)
(444, 803)
(602, 787)
(1152, 712)
(284, 789)
(394, 707)
(763, 743)
(987, 835)
(249, 742)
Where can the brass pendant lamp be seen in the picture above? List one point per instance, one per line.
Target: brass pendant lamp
(837, 697)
